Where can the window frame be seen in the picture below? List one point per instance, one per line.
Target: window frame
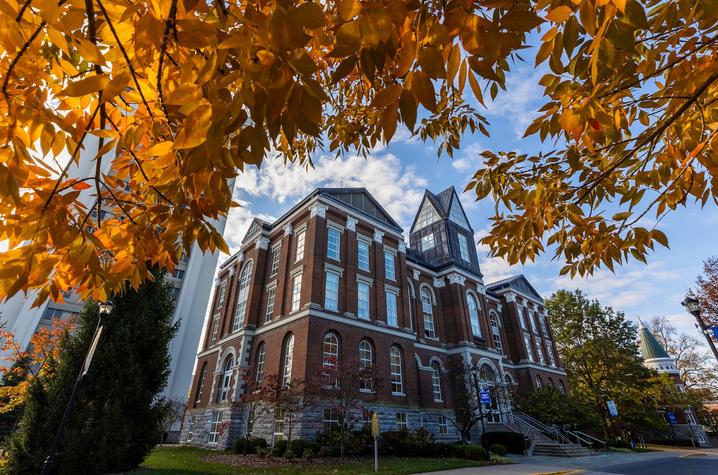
(287, 359)
(425, 240)
(213, 434)
(299, 248)
(296, 292)
(360, 314)
(429, 330)
(436, 382)
(443, 426)
(360, 245)
(392, 308)
(226, 381)
(464, 248)
(276, 254)
(389, 265)
(396, 371)
(402, 421)
(474, 314)
(259, 365)
(334, 254)
(240, 309)
(330, 359)
(334, 301)
(366, 384)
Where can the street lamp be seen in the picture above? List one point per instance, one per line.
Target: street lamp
(105, 308)
(475, 373)
(693, 305)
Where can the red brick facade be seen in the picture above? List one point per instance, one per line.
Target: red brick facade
(447, 281)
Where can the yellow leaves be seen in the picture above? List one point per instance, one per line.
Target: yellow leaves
(194, 129)
(517, 19)
(86, 86)
(432, 62)
(559, 14)
(571, 122)
(387, 96)
(423, 89)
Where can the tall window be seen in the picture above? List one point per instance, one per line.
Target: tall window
(443, 428)
(544, 327)
(334, 239)
(427, 215)
(389, 268)
(275, 261)
(296, 291)
(190, 428)
(278, 425)
(496, 332)
(214, 427)
(539, 383)
(200, 383)
(363, 300)
(259, 374)
(473, 314)
(222, 293)
(529, 347)
(397, 380)
(436, 381)
(288, 358)
(366, 361)
(300, 245)
(215, 328)
(549, 351)
(464, 248)
(426, 306)
(539, 350)
(561, 387)
(457, 215)
(532, 320)
(271, 294)
(244, 279)
(522, 317)
(226, 378)
(401, 421)
(363, 253)
(330, 419)
(331, 291)
(330, 359)
(427, 242)
(391, 310)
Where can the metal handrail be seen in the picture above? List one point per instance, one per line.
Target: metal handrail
(578, 438)
(583, 434)
(543, 428)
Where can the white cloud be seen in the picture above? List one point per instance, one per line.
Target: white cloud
(397, 188)
(470, 159)
(238, 223)
(521, 100)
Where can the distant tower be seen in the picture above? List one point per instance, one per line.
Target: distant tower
(655, 356)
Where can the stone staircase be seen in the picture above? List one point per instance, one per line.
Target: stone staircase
(555, 449)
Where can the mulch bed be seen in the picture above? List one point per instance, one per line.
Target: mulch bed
(238, 460)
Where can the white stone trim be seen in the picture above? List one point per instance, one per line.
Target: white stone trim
(375, 222)
(416, 274)
(318, 209)
(378, 236)
(352, 223)
(364, 279)
(402, 246)
(332, 268)
(287, 229)
(262, 243)
(455, 278)
(439, 283)
(391, 288)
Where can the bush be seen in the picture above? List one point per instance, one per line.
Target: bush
(497, 449)
(442, 450)
(308, 453)
(250, 445)
(396, 443)
(459, 450)
(513, 441)
(475, 452)
(673, 442)
(297, 447)
(618, 444)
(279, 448)
(263, 451)
(311, 447)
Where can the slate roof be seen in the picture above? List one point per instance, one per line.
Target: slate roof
(519, 283)
(650, 348)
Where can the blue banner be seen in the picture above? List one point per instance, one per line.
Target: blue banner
(715, 332)
(671, 417)
(484, 396)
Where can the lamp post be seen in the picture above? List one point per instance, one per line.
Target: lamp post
(693, 306)
(105, 309)
(475, 374)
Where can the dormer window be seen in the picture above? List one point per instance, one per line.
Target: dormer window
(427, 242)
(427, 215)
(464, 248)
(456, 214)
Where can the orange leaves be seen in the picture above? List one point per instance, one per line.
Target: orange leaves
(559, 14)
(86, 86)
(194, 131)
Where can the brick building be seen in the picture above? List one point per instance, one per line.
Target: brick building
(333, 276)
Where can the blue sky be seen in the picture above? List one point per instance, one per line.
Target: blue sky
(398, 174)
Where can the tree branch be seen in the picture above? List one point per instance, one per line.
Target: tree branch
(169, 25)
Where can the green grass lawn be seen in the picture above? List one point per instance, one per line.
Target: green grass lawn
(186, 460)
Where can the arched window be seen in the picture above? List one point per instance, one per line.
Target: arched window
(474, 314)
(508, 379)
(259, 374)
(436, 381)
(561, 387)
(226, 377)
(549, 383)
(397, 379)
(496, 332)
(288, 357)
(244, 278)
(426, 306)
(366, 362)
(486, 373)
(539, 382)
(200, 383)
(330, 359)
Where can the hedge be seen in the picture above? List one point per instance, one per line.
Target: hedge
(513, 441)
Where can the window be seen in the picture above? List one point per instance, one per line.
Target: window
(190, 429)
(544, 327)
(496, 332)
(215, 328)
(426, 306)
(363, 297)
(391, 310)
(529, 347)
(366, 418)
(244, 278)
(551, 355)
(275, 261)
(436, 381)
(226, 378)
(334, 237)
(539, 351)
(331, 292)
(296, 291)
(464, 248)
(214, 427)
(561, 387)
(473, 314)
(222, 293)
(522, 318)
(366, 362)
(532, 320)
(539, 383)
(200, 383)
(397, 384)
(330, 359)
(443, 428)
(278, 425)
(456, 214)
(363, 254)
(259, 374)
(300, 246)
(427, 242)
(330, 420)
(288, 357)
(389, 268)
(549, 383)
(427, 215)
(401, 421)
(271, 293)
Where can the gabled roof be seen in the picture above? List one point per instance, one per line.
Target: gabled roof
(362, 201)
(442, 204)
(650, 348)
(255, 227)
(519, 283)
